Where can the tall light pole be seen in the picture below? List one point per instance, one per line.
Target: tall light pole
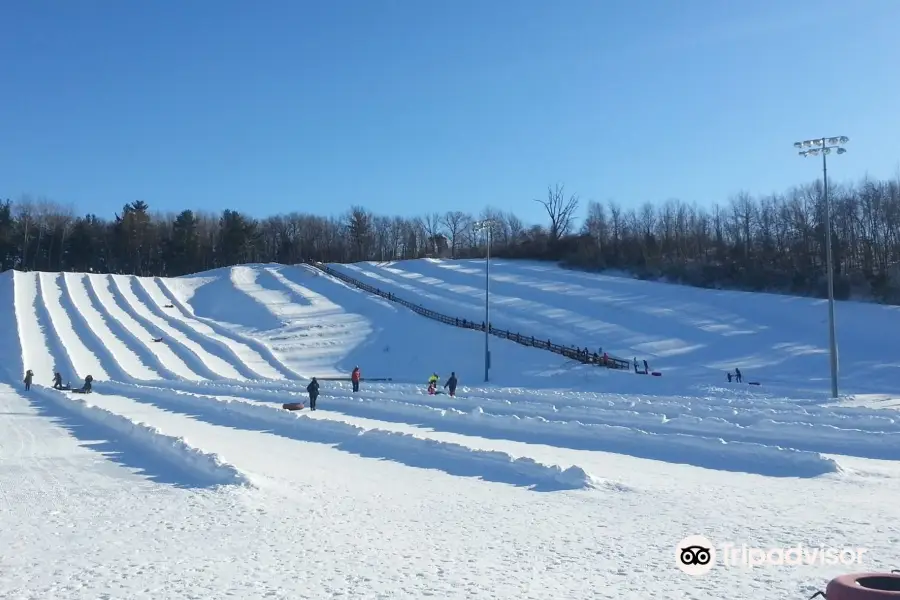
(488, 226)
(824, 146)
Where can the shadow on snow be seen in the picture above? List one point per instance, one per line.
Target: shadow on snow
(117, 447)
(327, 432)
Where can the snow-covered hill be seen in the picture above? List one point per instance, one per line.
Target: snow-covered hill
(692, 334)
(182, 476)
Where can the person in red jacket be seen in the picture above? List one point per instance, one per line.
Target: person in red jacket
(354, 378)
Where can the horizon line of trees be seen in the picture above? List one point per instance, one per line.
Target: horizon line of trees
(773, 243)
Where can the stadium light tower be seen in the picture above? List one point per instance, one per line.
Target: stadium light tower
(824, 146)
(487, 225)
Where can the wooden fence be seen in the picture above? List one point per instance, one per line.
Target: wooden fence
(581, 355)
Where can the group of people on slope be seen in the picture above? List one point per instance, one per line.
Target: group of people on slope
(58, 384)
(313, 387)
(450, 386)
(646, 370)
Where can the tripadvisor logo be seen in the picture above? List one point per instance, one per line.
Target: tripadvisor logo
(696, 555)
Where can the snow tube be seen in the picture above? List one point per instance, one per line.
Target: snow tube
(292, 406)
(656, 374)
(753, 383)
(864, 586)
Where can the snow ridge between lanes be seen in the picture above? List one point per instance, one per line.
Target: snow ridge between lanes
(96, 326)
(201, 361)
(253, 357)
(523, 470)
(770, 455)
(165, 360)
(207, 466)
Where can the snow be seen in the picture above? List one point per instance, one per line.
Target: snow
(174, 449)
(693, 333)
(181, 476)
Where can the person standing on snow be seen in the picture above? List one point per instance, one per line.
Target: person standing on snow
(354, 378)
(451, 383)
(29, 375)
(313, 389)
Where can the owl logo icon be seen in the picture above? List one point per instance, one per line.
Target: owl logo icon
(695, 555)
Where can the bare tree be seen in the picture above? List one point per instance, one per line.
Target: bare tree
(560, 210)
(456, 222)
(595, 224)
(514, 226)
(431, 224)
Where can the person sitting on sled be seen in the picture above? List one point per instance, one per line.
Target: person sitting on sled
(432, 383)
(86, 388)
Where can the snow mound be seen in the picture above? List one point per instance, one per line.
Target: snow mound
(391, 445)
(172, 449)
(708, 451)
(708, 443)
(573, 477)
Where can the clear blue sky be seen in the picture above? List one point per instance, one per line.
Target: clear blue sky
(406, 106)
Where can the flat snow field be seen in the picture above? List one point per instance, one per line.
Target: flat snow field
(182, 477)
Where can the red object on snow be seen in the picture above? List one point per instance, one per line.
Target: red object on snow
(293, 406)
(864, 586)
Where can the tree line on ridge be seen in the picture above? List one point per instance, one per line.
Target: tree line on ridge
(773, 243)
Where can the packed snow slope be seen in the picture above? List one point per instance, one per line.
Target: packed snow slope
(691, 335)
(182, 476)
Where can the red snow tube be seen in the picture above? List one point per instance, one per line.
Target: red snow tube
(292, 406)
(864, 586)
